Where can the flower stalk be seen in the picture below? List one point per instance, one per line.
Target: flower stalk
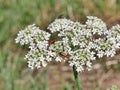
(77, 82)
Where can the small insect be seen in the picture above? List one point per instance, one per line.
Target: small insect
(64, 55)
(51, 42)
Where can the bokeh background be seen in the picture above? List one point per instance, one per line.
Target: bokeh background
(17, 14)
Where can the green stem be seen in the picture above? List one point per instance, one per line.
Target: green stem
(77, 82)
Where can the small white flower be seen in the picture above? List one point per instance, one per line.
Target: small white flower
(42, 44)
(79, 69)
(100, 54)
(89, 65)
(110, 53)
(44, 63)
(75, 41)
(48, 58)
(58, 59)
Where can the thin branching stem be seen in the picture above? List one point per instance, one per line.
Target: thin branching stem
(77, 82)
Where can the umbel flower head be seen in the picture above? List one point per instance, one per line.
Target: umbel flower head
(78, 44)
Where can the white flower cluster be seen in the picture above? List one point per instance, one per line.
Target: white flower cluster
(37, 40)
(78, 43)
(114, 36)
(86, 42)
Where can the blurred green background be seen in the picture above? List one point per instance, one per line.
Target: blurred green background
(17, 14)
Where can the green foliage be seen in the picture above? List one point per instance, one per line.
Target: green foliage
(118, 3)
(67, 87)
(114, 87)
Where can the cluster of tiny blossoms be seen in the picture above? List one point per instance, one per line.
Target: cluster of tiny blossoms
(78, 43)
(37, 40)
